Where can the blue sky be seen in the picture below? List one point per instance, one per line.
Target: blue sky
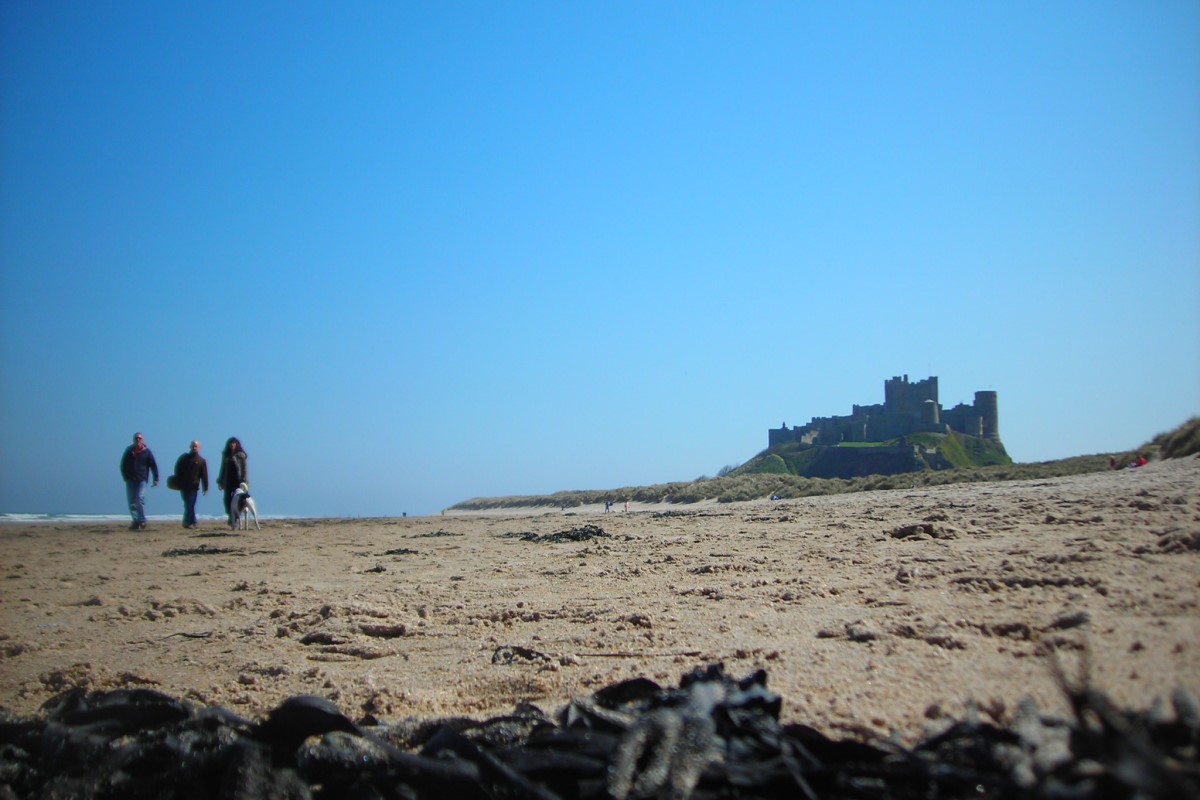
(412, 253)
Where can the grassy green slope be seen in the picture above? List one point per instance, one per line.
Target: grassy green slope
(960, 451)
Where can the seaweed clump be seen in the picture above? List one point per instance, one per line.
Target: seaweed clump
(711, 736)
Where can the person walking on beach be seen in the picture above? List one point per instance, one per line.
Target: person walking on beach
(233, 470)
(191, 473)
(137, 465)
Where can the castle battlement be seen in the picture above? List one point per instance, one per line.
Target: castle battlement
(907, 408)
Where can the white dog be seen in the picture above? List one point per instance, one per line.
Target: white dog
(241, 508)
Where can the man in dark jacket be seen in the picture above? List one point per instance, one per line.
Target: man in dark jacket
(137, 464)
(191, 472)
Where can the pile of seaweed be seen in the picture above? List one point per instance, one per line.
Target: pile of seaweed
(710, 737)
(580, 533)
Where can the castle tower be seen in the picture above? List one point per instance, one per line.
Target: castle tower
(893, 392)
(987, 407)
(902, 397)
(930, 413)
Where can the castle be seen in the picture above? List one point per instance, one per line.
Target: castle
(907, 408)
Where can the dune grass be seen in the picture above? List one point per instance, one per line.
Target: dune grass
(772, 479)
(732, 488)
(1182, 442)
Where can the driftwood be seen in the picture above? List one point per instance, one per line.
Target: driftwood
(712, 736)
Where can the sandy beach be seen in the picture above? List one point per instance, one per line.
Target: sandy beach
(884, 612)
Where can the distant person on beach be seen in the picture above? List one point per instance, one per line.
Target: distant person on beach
(137, 465)
(191, 473)
(233, 470)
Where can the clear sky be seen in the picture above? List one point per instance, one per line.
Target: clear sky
(413, 253)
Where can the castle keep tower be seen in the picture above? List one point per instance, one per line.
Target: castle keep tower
(902, 397)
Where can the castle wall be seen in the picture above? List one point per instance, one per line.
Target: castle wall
(854, 462)
(907, 408)
(964, 419)
(892, 426)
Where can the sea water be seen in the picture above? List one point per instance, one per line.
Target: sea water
(68, 518)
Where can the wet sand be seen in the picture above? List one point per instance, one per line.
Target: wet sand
(884, 612)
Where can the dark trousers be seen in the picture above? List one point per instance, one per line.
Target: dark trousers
(189, 505)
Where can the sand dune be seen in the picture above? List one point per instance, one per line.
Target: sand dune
(884, 611)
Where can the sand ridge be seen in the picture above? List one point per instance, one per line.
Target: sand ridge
(882, 612)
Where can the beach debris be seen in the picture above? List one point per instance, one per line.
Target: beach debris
(1092, 520)
(1066, 621)
(384, 631)
(202, 550)
(1174, 540)
(513, 653)
(581, 533)
(711, 736)
(924, 530)
(988, 583)
(639, 620)
(1010, 630)
(769, 518)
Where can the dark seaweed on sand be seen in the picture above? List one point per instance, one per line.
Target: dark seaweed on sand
(710, 737)
(581, 533)
(201, 550)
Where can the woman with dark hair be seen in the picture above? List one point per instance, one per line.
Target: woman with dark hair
(233, 471)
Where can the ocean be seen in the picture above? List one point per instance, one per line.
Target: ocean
(28, 518)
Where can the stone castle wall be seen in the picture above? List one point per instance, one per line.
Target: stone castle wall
(907, 408)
